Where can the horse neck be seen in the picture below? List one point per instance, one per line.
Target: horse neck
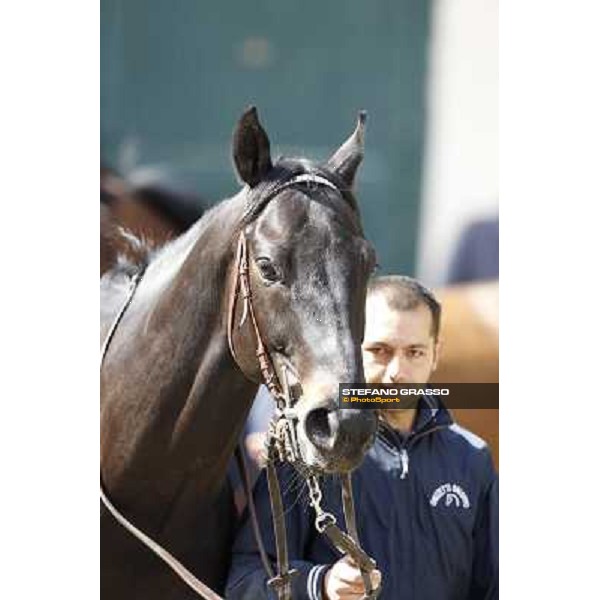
(174, 402)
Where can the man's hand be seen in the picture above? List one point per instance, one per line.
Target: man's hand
(343, 581)
(255, 447)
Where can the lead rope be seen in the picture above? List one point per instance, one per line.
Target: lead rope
(283, 445)
(325, 523)
(350, 516)
(281, 583)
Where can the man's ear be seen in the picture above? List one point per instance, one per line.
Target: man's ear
(251, 149)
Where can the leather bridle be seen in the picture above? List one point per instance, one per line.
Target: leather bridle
(282, 445)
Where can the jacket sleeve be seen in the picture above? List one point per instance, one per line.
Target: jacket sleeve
(247, 578)
(484, 574)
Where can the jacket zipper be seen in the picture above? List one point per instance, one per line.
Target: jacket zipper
(409, 442)
(404, 461)
(404, 458)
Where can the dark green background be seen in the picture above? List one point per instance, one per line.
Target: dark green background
(173, 84)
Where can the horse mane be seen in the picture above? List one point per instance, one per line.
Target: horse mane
(134, 252)
(141, 251)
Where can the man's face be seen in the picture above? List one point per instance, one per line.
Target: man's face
(398, 346)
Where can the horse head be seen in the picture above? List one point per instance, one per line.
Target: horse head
(308, 263)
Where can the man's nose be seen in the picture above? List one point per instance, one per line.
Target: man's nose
(398, 371)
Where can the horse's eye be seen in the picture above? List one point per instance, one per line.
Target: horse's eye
(267, 269)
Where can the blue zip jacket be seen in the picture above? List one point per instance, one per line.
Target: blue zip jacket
(426, 510)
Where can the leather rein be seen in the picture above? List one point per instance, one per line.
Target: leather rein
(282, 446)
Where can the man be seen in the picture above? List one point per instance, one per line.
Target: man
(426, 493)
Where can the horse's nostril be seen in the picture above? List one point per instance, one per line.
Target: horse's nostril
(320, 427)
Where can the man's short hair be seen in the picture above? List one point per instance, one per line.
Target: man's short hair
(405, 293)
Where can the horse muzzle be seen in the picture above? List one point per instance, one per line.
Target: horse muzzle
(334, 440)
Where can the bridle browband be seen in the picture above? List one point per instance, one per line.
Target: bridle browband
(282, 443)
(259, 197)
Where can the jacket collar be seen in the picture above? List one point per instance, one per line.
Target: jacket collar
(431, 415)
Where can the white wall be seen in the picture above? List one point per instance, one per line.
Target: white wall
(461, 157)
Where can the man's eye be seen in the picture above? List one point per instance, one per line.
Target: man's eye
(267, 270)
(377, 351)
(414, 353)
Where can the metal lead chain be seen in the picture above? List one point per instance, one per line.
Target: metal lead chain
(323, 519)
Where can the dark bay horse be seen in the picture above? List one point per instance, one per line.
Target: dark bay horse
(174, 398)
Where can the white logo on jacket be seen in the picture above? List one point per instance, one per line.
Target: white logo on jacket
(454, 494)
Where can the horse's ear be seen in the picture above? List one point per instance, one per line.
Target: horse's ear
(348, 156)
(251, 148)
